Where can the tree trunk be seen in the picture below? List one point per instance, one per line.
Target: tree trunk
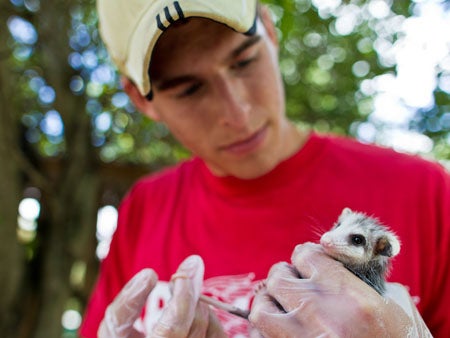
(68, 221)
(11, 253)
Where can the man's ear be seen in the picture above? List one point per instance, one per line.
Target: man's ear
(268, 24)
(144, 105)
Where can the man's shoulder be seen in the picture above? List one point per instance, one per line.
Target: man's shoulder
(378, 154)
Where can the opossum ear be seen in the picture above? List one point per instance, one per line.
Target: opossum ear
(383, 247)
(395, 243)
(387, 246)
(346, 211)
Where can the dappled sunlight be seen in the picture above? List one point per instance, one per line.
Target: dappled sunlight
(106, 226)
(27, 216)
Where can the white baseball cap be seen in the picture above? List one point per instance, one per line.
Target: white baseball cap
(131, 28)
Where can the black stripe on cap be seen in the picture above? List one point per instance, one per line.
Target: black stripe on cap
(177, 6)
(159, 23)
(168, 16)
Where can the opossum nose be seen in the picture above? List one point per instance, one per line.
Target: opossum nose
(325, 241)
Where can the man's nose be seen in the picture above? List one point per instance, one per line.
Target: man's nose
(235, 106)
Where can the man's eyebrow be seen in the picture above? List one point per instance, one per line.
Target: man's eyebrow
(170, 83)
(246, 44)
(173, 82)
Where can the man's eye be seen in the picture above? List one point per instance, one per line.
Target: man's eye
(244, 63)
(190, 90)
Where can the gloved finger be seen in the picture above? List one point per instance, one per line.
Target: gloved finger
(268, 318)
(178, 317)
(282, 279)
(127, 306)
(263, 303)
(206, 323)
(323, 274)
(289, 289)
(307, 258)
(284, 269)
(201, 321)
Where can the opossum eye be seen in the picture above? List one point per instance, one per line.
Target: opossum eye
(336, 225)
(358, 240)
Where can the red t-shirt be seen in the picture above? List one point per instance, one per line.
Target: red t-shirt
(242, 227)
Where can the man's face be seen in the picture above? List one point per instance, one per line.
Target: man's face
(220, 94)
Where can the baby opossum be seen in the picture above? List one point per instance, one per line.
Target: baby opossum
(363, 245)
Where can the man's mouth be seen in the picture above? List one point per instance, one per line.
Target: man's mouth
(247, 144)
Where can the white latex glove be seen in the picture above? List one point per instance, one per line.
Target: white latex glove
(399, 294)
(328, 300)
(184, 315)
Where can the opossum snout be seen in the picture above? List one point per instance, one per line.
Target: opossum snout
(326, 241)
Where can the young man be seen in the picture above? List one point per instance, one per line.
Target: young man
(255, 187)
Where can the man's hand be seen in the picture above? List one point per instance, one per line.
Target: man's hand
(318, 296)
(184, 316)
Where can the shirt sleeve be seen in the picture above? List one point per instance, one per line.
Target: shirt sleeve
(112, 277)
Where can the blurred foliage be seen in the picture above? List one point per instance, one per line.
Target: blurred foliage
(119, 133)
(317, 61)
(324, 64)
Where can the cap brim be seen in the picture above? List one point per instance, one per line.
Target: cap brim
(241, 17)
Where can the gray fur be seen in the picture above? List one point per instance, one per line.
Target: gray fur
(363, 245)
(373, 273)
